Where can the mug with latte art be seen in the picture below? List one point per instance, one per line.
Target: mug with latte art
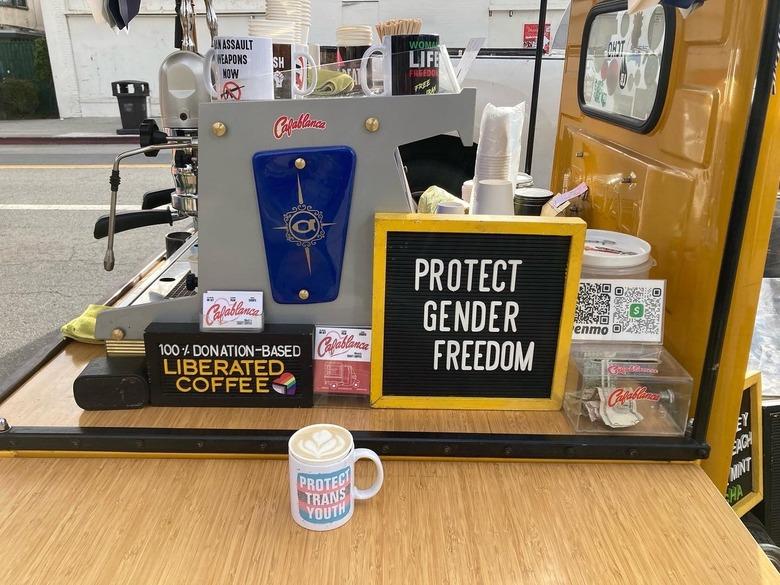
(322, 476)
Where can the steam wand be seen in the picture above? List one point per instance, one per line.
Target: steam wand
(173, 144)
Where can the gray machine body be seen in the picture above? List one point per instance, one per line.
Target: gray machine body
(231, 247)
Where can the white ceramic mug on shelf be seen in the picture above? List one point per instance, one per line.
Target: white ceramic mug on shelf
(322, 476)
(242, 68)
(292, 64)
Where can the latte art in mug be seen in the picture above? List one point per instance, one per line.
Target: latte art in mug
(321, 443)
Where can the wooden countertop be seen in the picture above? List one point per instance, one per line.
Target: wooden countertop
(191, 521)
(173, 521)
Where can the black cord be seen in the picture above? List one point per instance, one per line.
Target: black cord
(114, 180)
(177, 29)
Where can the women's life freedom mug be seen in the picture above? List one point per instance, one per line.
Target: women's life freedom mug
(322, 476)
(244, 68)
(410, 65)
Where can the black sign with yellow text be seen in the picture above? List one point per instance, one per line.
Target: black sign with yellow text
(188, 367)
(745, 476)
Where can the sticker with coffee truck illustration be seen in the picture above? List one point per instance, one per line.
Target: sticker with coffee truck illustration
(342, 360)
(189, 367)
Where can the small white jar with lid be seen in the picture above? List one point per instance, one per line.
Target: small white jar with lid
(616, 255)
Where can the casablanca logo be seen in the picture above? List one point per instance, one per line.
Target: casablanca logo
(285, 126)
(303, 225)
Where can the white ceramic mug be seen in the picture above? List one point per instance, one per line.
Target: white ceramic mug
(244, 68)
(291, 65)
(322, 476)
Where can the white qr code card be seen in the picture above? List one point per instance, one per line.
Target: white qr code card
(620, 310)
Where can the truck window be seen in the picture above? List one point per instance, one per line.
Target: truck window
(625, 64)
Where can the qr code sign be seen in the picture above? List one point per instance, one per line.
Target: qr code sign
(638, 310)
(620, 310)
(594, 303)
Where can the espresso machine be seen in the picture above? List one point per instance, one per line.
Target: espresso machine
(284, 194)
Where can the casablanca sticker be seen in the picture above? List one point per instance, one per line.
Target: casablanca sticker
(232, 310)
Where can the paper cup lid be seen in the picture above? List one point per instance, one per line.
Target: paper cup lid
(606, 249)
(533, 192)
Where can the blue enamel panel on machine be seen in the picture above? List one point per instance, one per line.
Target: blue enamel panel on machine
(304, 195)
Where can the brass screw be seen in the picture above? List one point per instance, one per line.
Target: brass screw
(300, 163)
(303, 294)
(118, 334)
(372, 124)
(218, 129)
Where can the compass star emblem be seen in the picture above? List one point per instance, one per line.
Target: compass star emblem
(303, 225)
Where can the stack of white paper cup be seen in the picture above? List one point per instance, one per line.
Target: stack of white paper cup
(498, 153)
(467, 190)
(493, 166)
(353, 36)
(493, 197)
(451, 208)
(298, 11)
(280, 31)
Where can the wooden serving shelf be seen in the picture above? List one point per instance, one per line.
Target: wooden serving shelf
(46, 399)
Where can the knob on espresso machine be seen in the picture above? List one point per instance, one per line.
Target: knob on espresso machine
(150, 134)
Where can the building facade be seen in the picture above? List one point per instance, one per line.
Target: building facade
(86, 57)
(20, 17)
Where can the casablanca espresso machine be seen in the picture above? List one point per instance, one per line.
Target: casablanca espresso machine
(283, 193)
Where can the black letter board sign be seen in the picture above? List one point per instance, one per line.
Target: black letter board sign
(744, 489)
(473, 312)
(188, 367)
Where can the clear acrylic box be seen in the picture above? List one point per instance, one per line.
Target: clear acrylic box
(637, 389)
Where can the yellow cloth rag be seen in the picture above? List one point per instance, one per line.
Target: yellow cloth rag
(333, 82)
(82, 328)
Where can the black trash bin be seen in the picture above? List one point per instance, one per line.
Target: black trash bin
(132, 96)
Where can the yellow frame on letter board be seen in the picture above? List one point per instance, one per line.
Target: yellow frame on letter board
(483, 224)
(749, 501)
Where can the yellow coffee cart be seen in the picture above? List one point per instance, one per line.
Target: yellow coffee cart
(199, 495)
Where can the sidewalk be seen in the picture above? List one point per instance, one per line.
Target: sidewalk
(70, 130)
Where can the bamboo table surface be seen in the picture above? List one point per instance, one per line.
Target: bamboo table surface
(192, 521)
(176, 521)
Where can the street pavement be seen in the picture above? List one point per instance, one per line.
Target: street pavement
(53, 128)
(50, 265)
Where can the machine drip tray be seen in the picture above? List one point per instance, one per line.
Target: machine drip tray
(180, 290)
